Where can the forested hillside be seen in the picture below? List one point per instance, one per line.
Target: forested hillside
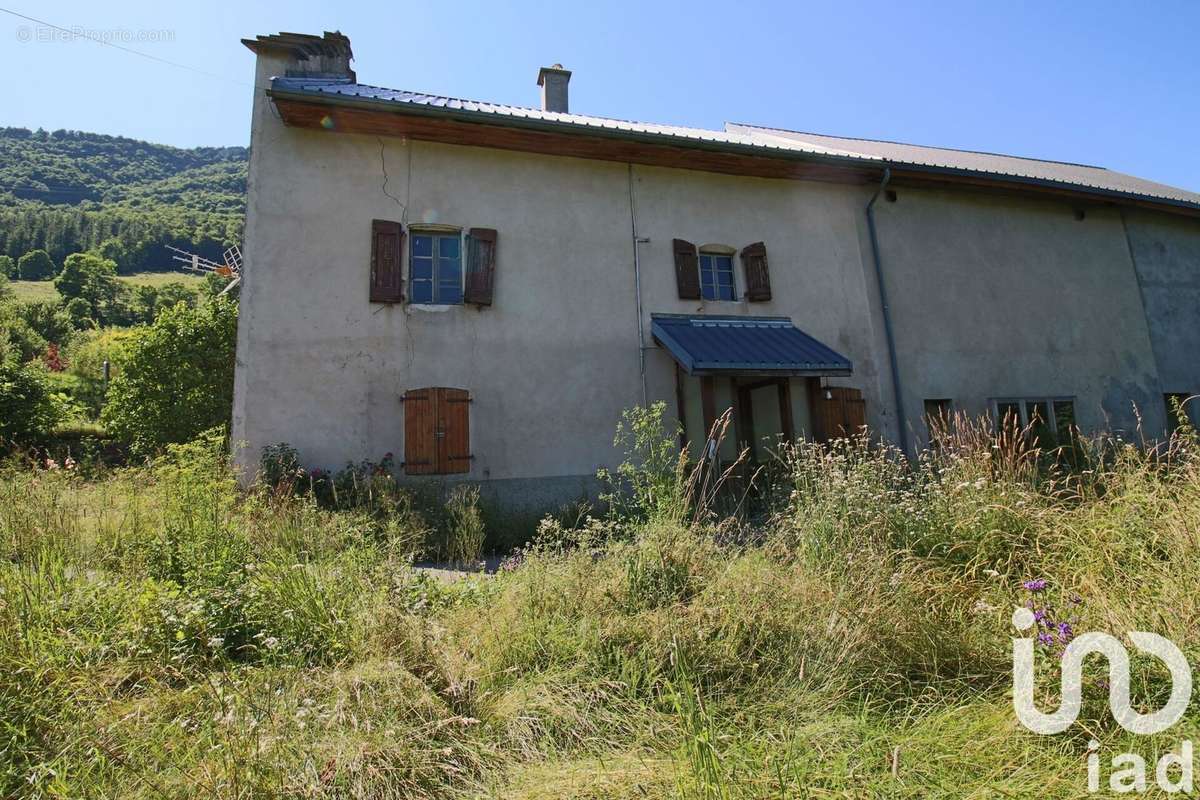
(70, 191)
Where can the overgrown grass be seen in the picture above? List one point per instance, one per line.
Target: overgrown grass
(164, 634)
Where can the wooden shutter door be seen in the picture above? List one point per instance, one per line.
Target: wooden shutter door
(454, 431)
(387, 246)
(687, 270)
(844, 413)
(856, 412)
(420, 444)
(481, 266)
(758, 279)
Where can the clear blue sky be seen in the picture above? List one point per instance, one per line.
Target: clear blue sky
(1115, 84)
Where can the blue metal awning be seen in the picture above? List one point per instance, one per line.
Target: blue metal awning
(709, 345)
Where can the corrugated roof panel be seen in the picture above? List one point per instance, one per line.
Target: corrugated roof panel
(779, 141)
(744, 345)
(1082, 175)
(362, 91)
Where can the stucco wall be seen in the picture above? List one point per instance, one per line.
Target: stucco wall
(994, 296)
(991, 297)
(555, 360)
(1166, 251)
(549, 366)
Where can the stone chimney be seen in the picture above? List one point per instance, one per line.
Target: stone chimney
(553, 81)
(303, 55)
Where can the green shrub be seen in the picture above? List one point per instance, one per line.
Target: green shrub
(24, 343)
(48, 319)
(280, 468)
(177, 378)
(27, 411)
(652, 483)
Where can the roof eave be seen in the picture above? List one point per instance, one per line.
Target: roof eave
(899, 168)
(759, 370)
(570, 128)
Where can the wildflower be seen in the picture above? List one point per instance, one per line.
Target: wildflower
(69, 463)
(51, 463)
(216, 642)
(1036, 585)
(1045, 639)
(270, 642)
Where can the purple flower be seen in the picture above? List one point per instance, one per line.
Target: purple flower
(1046, 639)
(1035, 585)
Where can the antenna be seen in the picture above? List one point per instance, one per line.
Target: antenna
(231, 268)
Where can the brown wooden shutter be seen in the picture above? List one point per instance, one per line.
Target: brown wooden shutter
(387, 245)
(454, 431)
(420, 444)
(758, 280)
(687, 270)
(481, 266)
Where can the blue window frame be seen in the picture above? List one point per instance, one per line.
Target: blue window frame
(716, 277)
(435, 269)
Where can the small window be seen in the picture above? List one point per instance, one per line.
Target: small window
(937, 416)
(435, 269)
(716, 276)
(1050, 420)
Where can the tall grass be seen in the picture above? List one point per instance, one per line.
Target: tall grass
(840, 628)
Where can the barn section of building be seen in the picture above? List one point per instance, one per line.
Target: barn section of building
(484, 288)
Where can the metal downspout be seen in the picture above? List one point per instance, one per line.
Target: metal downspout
(637, 283)
(901, 418)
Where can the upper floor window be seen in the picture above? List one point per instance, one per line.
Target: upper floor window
(716, 276)
(435, 269)
(706, 273)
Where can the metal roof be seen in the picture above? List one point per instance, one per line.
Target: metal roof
(332, 89)
(897, 153)
(744, 345)
(771, 142)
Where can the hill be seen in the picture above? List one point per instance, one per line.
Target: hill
(69, 191)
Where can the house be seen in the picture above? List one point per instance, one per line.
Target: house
(482, 289)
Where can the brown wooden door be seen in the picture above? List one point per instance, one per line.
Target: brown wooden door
(842, 413)
(437, 434)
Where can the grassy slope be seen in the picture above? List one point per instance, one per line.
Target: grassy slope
(31, 291)
(162, 636)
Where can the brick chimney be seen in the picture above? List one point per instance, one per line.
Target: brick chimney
(553, 81)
